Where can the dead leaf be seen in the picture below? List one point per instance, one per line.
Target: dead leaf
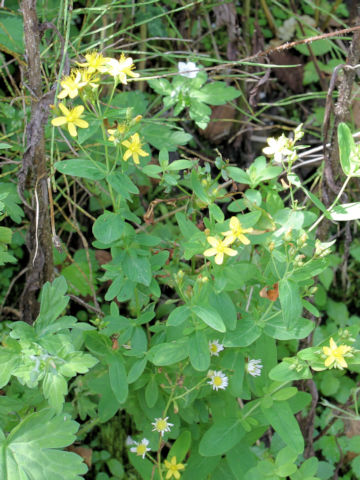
(293, 76)
(271, 293)
(83, 452)
(220, 123)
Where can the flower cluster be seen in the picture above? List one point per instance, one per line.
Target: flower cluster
(141, 448)
(85, 78)
(282, 149)
(220, 248)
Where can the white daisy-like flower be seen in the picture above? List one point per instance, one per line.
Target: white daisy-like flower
(253, 367)
(278, 148)
(161, 425)
(215, 347)
(188, 69)
(218, 380)
(141, 448)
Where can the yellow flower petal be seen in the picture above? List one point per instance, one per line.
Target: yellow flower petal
(77, 111)
(81, 123)
(58, 121)
(72, 129)
(214, 242)
(127, 155)
(64, 110)
(219, 258)
(210, 252)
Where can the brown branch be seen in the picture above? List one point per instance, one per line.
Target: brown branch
(32, 175)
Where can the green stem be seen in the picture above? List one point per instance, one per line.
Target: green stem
(332, 205)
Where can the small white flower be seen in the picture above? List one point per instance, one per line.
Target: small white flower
(215, 347)
(278, 148)
(129, 441)
(141, 448)
(188, 69)
(161, 425)
(254, 367)
(218, 380)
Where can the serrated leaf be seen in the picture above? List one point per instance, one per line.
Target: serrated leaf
(55, 388)
(52, 303)
(31, 449)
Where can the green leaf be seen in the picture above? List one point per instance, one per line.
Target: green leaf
(276, 328)
(345, 212)
(199, 351)
(161, 136)
(216, 93)
(210, 316)
(5, 235)
(178, 316)
(122, 184)
(284, 393)
(287, 371)
(181, 446)
(161, 86)
(52, 303)
(9, 361)
(290, 301)
(81, 167)
(55, 388)
(136, 370)
(152, 171)
(4, 145)
(31, 450)
(151, 392)
(198, 189)
(118, 377)
(138, 269)
(245, 333)
(199, 467)
(108, 227)
(169, 353)
(283, 422)
(221, 437)
(346, 147)
(11, 34)
(187, 228)
(180, 165)
(225, 308)
(238, 175)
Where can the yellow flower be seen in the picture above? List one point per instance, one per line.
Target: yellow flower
(89, 79)
(173, 468)
(134, 149)
(71, 118)
(116, 133)
(237, 231)
(220, 247)
(71, 85)
(120, 68)
(335, 355)
(95, 62)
